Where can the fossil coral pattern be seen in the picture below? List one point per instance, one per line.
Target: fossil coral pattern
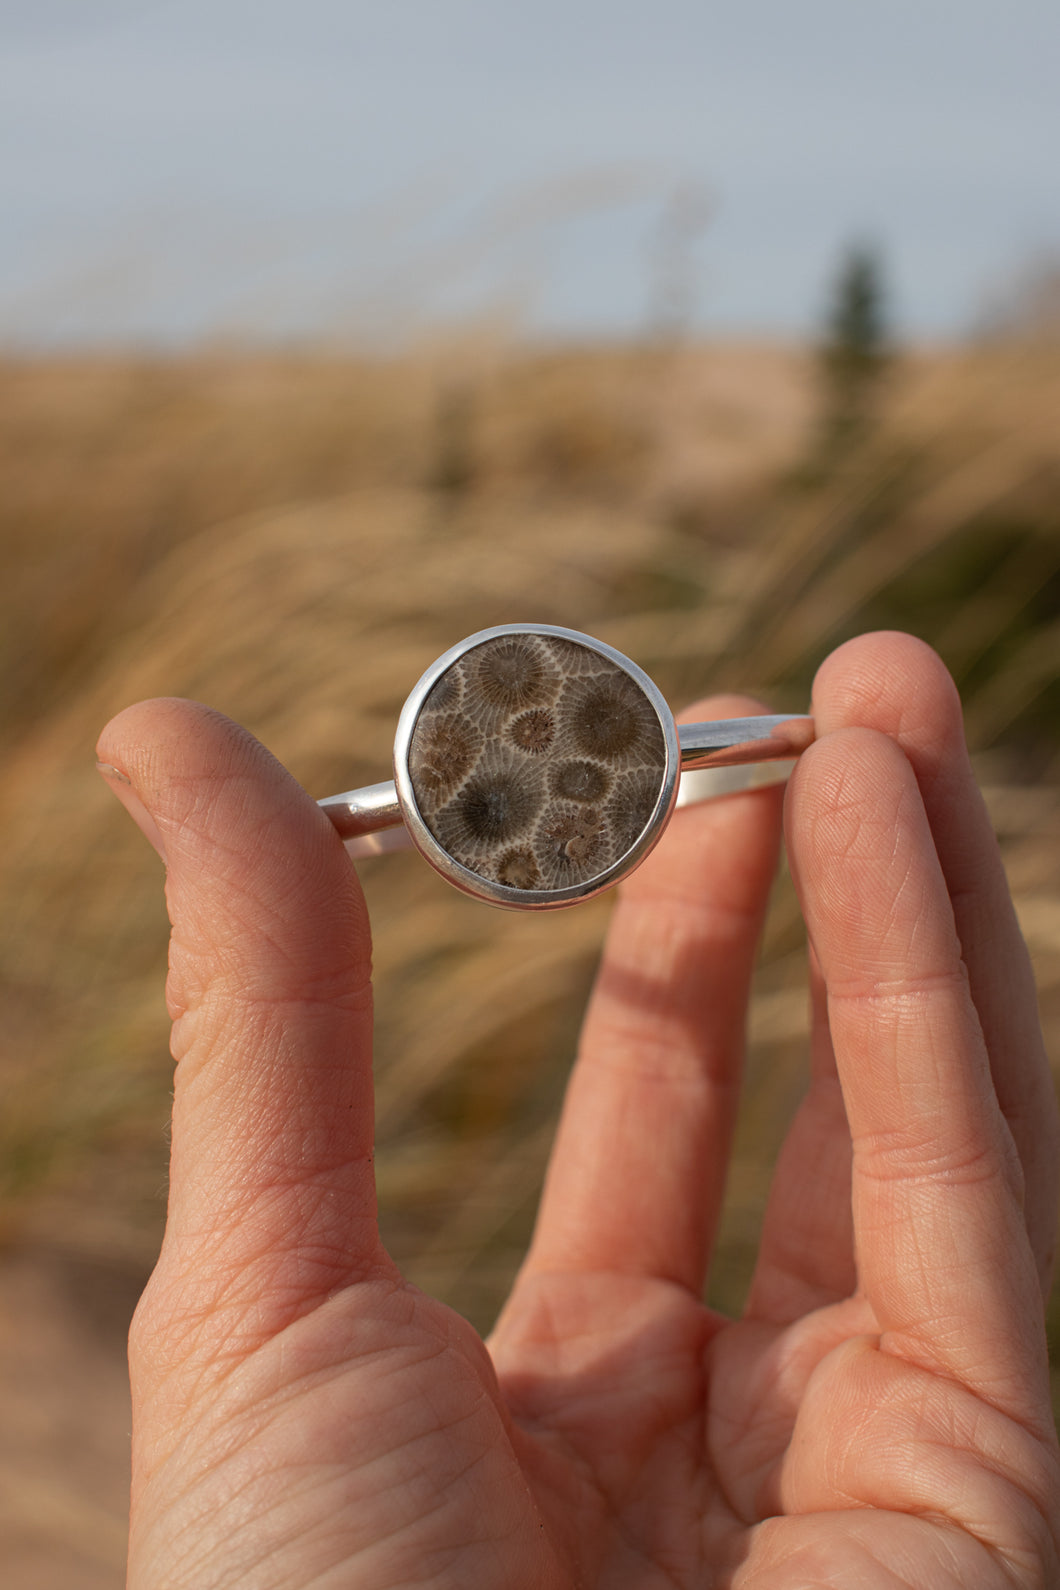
(536, 762)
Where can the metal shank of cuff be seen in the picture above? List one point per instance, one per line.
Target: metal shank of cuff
(716, 759)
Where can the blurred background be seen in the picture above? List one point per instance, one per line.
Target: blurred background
(330, 333)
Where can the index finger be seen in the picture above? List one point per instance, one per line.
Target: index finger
(942, 1250)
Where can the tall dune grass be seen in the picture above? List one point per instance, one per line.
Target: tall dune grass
(293, 540)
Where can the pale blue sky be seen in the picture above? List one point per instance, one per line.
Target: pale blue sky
(278, 167)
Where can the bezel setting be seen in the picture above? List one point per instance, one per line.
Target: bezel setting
(487, 889)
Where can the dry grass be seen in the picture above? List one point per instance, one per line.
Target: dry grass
(293, 540)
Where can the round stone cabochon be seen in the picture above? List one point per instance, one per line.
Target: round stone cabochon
(536, 762)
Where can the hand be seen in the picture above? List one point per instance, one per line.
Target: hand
(880, 1415)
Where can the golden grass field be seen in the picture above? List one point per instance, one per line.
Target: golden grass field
(293, 539)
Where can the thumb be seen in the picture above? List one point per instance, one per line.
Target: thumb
(272, 1198)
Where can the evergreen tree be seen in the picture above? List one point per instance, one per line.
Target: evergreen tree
(854, 354)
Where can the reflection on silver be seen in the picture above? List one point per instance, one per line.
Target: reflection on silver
(707, 783)
(701, 760)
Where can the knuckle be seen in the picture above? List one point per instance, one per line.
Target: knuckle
(910, 1156)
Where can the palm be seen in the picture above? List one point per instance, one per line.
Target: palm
(304, 1418)
(643, 1455)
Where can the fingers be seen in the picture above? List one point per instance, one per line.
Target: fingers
(636, 1177)
(896, 684)
(942, 1250)
(806, 1258)
(271, 1195)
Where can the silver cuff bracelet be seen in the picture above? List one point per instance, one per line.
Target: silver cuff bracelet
(536, 766)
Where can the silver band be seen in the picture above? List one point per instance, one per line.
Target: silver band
(716, 759)
(535, 767)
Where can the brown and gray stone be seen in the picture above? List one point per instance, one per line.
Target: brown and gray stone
(536, 762)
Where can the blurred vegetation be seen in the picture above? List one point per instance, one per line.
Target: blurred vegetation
(854, 356)
(294, 538)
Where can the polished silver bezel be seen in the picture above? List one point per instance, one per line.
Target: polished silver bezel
(501, 894)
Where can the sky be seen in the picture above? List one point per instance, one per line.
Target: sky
(364, 170)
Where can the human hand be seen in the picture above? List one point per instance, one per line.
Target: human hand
(880, 1415)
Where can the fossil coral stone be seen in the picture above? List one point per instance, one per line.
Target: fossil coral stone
(536, 762)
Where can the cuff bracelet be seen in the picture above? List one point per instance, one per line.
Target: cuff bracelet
(535, 766)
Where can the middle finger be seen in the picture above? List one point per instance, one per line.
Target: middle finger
(638, 1170)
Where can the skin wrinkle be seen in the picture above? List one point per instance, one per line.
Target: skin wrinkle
(406, 1448)
(891, 1157)
(258, 1173)
(238, 1281)
(842, 823)
(624, 1055)
(266, 1041)
(931, 1439)
(877, 1442)
(649, 1262)
(306, 1199)
(614, 1494)
(636, 1019)
(557, 1333)
(917, 1109)
(228, 967)
(245, 1265)
(643, 1551)
(228, 964)
(410, 1474)
(325, 1372)
(261, 919)
(288, 1077)
(279, 1068)
(227, 1395)
(309, 1272)
(900, 991)
(807, 1560)
(442, 1555)
(262, 1543)
(214, 1467)
(928, 1344)
(260, 1023)
(922, 1342)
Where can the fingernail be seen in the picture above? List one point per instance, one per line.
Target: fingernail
(121, 784)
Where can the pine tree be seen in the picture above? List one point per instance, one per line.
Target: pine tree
(854, 355)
